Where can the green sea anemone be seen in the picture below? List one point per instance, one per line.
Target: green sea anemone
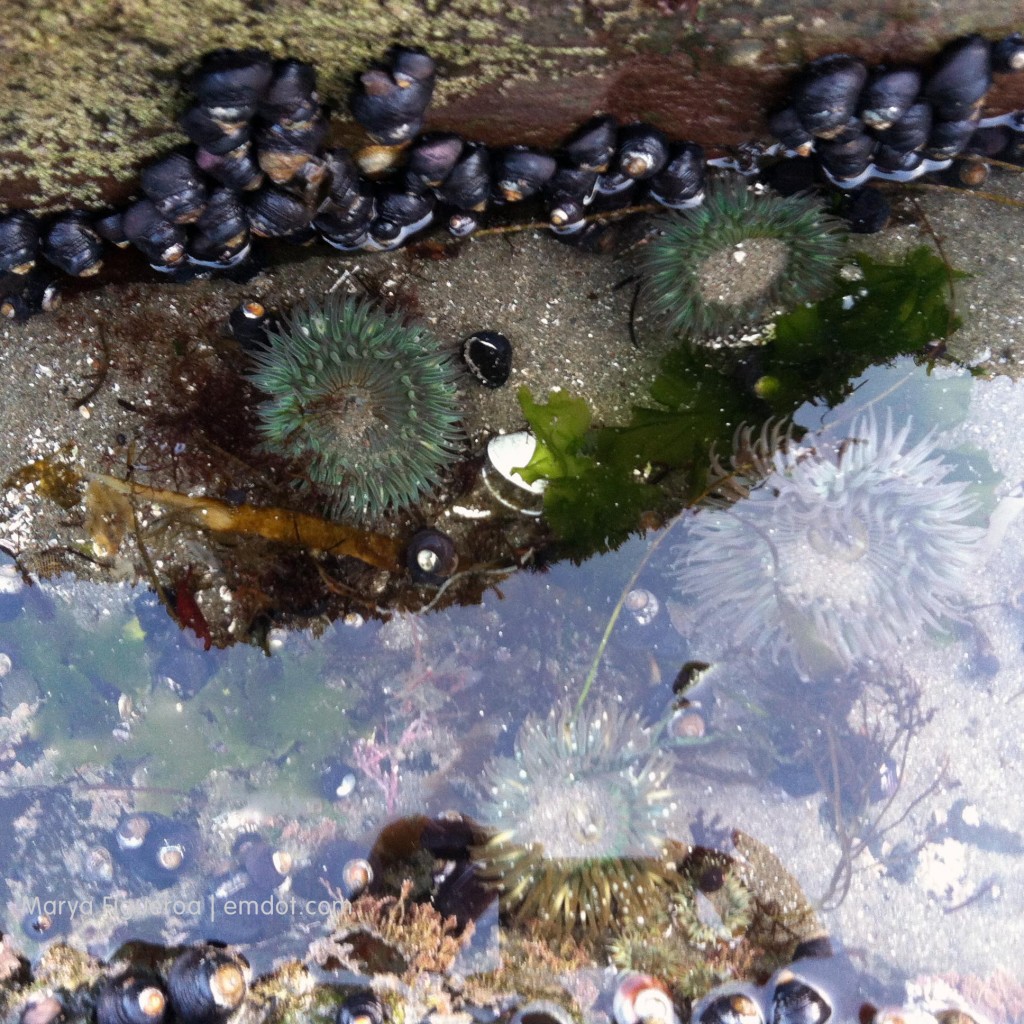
(739, 258)
(581, 814)
(365, 403)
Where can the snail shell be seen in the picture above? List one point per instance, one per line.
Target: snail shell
(221, 235)
(356, 877)
(24, 295)
(250, 324)
(541, 1011)
(642, 151)
(72, 245)
(734, 1003)
(522, 172)
(433, 157)
(207, 984)
(679, 185)
(131, 999)
(592, 146)
(291, 94)
(361, 1008)
(274, 213)
(431, 557)
(219, 137)
(1008, 54)
(794, 1001)
(948, 138)
(643, 999)
(786, 126)
(237, 169)
(267, 866)
(825, 97)
(468, 186)
(19, 242)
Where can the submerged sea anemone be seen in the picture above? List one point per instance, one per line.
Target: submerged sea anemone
(739, 258)
(365, 402)
(581, 813)
(842, 552)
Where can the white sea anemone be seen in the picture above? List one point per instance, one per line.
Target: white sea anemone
(841, 553)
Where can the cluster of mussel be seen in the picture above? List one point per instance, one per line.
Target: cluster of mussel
(898, 122)
(258, 168)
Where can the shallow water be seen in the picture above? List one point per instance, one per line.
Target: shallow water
(886, 783)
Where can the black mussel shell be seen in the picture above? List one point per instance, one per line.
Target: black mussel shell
(291, 95)
(231, 83)
(889, 94)
(283, 151)
(131, 999)
(847, 156)
(250, 323)
(238, 169)
(1008, 54)
(948, 138)
(796, 1002)
(221, 234)
(215, 136)
(25, 295)
(468, 186)
(19, 242)
(681, 182)
(432, 157)
(160, 241)
(488, 356)
(413, 69)
(401, 213)
(867, 210)
(337, 779)
(826, 95)
(72, 245)
(390, 105)
(522, 172)
(990, 141)
(176, 187)
(592, 146)
(274, 213)
(896, 161)
(346, 225)
(642, 151)
(431, 557)
(207, 984)
(790, 175)
(581, 185)
(344, 180)
(961, 77)
(911, 131)
(110, 227)
(786, 126)
(361, 1008)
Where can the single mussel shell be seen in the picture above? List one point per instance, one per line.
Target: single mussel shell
(343, 177)
(401, 213)
(910, 132)
(231, 83)
(847, 157)
(274, 213)
(488, 356)
(961, 77)
(131, 999)
(949, 138)
(175, 186)
(283, 151)
(24, 295)
(157, 238)
(468, 186)
(110, 227)
(71, 244)
(390, 104)
(889, 94)
(219, 137)
(1008, 54)
(207, 984)
(431, 557)
(250, 323)
(522, 172)
(732, 1003)
(592, 146)
(237, 169)
(361, 1008)
(291, 94)
(787, 127)
(866, 210)
(221, 236)
(19, 242)
(826, 95)
(679, 185)
(346, 225)
(433, 157)
(642, 151)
